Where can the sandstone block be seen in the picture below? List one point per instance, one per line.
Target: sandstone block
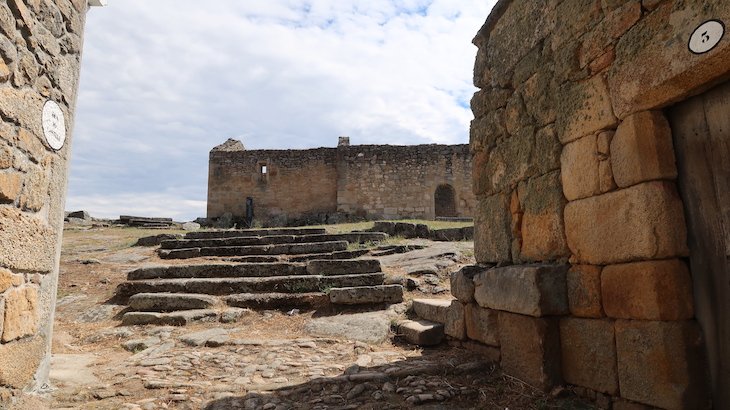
(6, 280)
(579, 168)
(662, 364)
(421, 332)
(531, 349)
(482, 324)
(645, 221)
(548, 148)
(455, 325)
(542, 203)
(584, 108)
(651, 72)
(535, 290)
(589, 354)
(21, 313)
(584, 291)
(651, 290)
(10, 185)
(25, 242)
(359, 295)
(6, 157)
(434, 310)
(20, 360)
(511, 161)
(35, 190)
(492, 236)
(462, 282)
(642, 149)
(614, 25)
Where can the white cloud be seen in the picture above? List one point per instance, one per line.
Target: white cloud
(164, 81)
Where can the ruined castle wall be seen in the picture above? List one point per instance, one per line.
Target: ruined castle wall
(295, 184)
(40, 50)
(574, 162)
(385, 181)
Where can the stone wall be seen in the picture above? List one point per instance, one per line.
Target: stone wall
(366, 181)
(391, 182)
(574, 163)
(40, 50)
(295, 183)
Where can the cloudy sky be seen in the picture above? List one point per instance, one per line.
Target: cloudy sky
(164, 81)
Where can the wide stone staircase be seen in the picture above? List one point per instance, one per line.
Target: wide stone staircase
(258, 269)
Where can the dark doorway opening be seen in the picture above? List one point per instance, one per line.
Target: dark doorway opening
(445, 201)
(701, 132)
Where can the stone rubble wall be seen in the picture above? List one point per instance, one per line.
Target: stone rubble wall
(574, 163)
(366, 181)
(40, 51)
(296, 183)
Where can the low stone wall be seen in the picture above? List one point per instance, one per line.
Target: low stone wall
(40, 46)
(574, 163)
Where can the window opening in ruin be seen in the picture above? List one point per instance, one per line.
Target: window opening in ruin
(445, 201)
(263, 169)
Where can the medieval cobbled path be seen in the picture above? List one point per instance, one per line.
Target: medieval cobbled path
(215, 368)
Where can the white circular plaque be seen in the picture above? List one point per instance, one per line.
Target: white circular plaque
(54, 125)
(706, 36)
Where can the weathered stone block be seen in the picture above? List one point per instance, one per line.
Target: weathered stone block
(614, 25)
(492, 237)
(20, 360)
(584, 291)
(421, 332)
(645, 221)
(589, 354)
(535, 290)
(455, 321)
(449, 313)
(651, 290)
(511, 161)
(662, 364)
(543, 232)
(25, 242)
(462, 282)
(583, 109)
(21, 313)
(653, 66)
(539, 93)
(6, 280)
(579, 168)
(531, 349)
(6, 157)
(642, 149)
(548, 148)
(482, 324)
(10, 185)
(35, 190)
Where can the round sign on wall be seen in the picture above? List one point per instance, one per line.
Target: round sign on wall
(54, 125)
(706, 36)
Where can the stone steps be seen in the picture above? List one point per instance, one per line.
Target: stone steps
(421, 332)
(253, 232)
(278, 300)
(169, 302)
(278, 249)
(227, 286)
(181, 318)
(360, 237)
(366, 295)
(218, 271)
(341, 255)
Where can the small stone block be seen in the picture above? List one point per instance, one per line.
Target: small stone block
(662, 364)
(421, 332)
(589, 354)
(462, 282)
(642, 149)
(584, 291)
(434, 310)
(482, 324)
(366, 294)
(21, 313)
(650, 290)
(530, 349)
(535, 290)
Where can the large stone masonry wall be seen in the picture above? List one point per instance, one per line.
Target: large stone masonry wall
(574, 167)
(296, 183)
(365, 181)
(40, 50)
(385, 181)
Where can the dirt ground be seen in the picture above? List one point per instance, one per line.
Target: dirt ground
(267, 359)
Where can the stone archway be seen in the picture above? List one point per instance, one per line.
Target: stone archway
(445, 201)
